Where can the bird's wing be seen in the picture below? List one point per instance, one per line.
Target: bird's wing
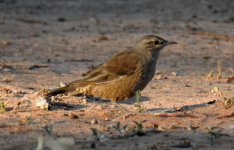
(119, 66)
(122, 64)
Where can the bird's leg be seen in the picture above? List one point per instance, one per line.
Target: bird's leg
(120, 106)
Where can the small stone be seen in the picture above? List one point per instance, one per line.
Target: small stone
(94, 121)
(42, 104)
(62, 84)
(158, 77)
(73, 116)
(52, 98)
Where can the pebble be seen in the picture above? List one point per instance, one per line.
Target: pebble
(42, 104)
(62, 84)
(94, 121)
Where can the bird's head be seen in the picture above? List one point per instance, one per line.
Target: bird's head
(152, 43)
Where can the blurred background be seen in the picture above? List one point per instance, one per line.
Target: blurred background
(98, 15)
(72, 35)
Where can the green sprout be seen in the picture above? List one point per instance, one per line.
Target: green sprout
(2, 107)
(138, 104)
(138, 129)
(219, 69)
(96, 135)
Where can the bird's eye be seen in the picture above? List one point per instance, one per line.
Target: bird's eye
(156, 42)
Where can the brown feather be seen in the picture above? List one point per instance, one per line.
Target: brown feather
(122, 75)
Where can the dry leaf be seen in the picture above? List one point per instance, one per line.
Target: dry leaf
(216, 91)
(230, 79)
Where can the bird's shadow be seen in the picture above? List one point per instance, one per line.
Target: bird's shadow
(132, 100)
(129, 101)
(60, 105)
(181, 109)
(65, 106)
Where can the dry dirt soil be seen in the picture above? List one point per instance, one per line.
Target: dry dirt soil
(188, 105)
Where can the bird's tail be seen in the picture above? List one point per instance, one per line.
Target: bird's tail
(54, 92)
(69, 88)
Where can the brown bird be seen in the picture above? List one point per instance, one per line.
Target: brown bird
(122, 75)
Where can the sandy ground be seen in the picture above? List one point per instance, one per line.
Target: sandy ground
(184, 107)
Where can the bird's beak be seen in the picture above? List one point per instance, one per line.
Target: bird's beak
(170, 42)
